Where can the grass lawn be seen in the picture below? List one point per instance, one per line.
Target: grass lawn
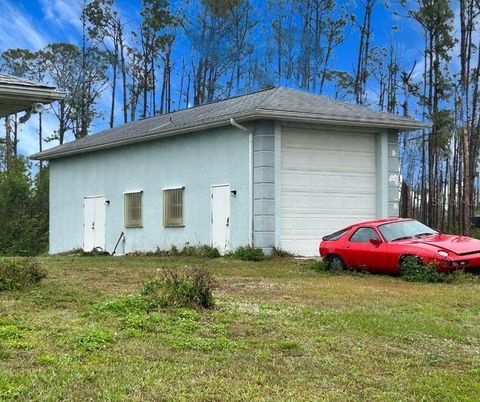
(280, 331)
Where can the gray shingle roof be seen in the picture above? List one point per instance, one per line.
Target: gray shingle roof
(278, 103)
(6, 79)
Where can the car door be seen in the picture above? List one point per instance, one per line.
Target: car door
(361, 253)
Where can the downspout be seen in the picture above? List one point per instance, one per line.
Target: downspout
(250, 178)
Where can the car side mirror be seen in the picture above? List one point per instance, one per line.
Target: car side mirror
(376, 242)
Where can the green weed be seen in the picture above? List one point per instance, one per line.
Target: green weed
(10, 332)
(247, 253)
(17, 274)
(93, 339)
(319, 266)
(413, 270)
(9, 391)
(128, 304)
(278, 252)
(180, 288)
(286, 345)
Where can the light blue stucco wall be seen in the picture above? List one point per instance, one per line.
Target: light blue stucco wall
(196, 161)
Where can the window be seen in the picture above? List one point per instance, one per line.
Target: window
(363, 235)
(336, 235)
(173, 207)
(133, 209)
(404, 230)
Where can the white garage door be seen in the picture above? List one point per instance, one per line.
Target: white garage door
(328, 182)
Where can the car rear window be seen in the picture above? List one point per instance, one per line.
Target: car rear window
(336, 235)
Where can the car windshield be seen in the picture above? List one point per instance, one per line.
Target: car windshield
(404, 230)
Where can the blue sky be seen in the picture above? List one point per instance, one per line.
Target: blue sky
(33, 24)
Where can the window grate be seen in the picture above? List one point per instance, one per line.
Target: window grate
(133, 210)
(173, 207)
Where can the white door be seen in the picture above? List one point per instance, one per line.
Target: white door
(93, 223)
(328, 181)
(221, 218)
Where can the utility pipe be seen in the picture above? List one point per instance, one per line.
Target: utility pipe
(250, 178)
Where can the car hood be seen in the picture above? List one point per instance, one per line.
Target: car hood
(460, 245)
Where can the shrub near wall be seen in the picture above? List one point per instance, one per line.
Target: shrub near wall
(247, 253)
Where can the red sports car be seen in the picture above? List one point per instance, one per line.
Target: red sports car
(381, 246)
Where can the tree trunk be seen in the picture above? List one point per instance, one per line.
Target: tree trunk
(8, 142)
(40, 137)
(466, 207)
(404, 200)
(154, 88)
(124, 74)
(114, 86)
(15, 135)
(61, 129)
(431, 156)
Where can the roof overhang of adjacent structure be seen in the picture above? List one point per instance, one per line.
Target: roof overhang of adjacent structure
(180, 122)
(17, 95)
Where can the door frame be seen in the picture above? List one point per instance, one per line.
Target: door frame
(104, 222)
(211, 213)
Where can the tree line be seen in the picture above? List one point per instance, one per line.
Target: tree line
(173, 56)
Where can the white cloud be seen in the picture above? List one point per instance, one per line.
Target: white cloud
(18, 29)
(63, 13)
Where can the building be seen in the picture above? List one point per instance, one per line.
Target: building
(275, 168)
(18, 95)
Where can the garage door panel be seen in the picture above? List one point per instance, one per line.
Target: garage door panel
(288, 224)
(331, 180)
(297, 180)
(308, 205)
(315, 210)
(366, 183)
(360, 204)
(325, 204)
(323, 140)
(359, 185)
(328, 181)
(319, 225)
(327, 160)
(309, 230)
(335, 162)
(303, 226)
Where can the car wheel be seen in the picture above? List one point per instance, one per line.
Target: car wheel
(335, 263)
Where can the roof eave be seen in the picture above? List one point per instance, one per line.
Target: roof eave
(240, 117)
(34, 93)
(400, 125)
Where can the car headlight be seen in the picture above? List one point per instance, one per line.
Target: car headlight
(442, 253)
